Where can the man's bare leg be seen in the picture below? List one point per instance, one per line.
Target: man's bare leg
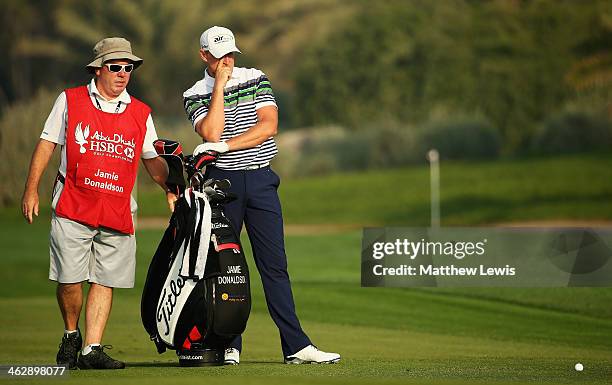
(70, 301)
(97, 310)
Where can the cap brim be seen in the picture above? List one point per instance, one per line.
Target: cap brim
(98, 62)
(220, 52)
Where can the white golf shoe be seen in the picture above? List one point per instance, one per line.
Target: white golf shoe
(232, 356)
(312, 355)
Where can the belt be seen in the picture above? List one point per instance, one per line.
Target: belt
(257, 166)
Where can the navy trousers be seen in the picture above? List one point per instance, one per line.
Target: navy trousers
(259, 208)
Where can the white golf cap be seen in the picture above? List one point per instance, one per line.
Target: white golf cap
(219, 41)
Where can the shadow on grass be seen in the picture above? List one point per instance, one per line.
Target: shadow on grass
(153, 364)
(176, 364)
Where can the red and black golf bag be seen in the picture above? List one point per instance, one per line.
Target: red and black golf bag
(196, 297)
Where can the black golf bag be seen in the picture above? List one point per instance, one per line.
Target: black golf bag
(196, 297)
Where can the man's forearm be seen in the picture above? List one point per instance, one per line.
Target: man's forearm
(266, 127)
(254, 136)
(158, 170)
(211, 127)
(40, 159)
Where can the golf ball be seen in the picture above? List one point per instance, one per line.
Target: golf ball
(579, 367)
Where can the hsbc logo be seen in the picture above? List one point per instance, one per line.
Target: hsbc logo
(129, 152)
(114, 146)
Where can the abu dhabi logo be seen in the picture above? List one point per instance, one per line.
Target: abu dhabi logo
(114, 145)
(80, 137)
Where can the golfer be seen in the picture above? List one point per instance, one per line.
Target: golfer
(102, 132)
(233, 109)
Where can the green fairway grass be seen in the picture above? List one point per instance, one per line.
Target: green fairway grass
(385, 335)
(472, 193)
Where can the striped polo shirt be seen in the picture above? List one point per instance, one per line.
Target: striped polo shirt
(247, 90)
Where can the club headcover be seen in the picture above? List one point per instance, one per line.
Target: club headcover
(194, 163)
(172, 152)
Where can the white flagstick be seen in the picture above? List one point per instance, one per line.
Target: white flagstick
(434, 174)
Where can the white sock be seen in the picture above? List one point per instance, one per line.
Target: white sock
(87, 349)
(66, 332)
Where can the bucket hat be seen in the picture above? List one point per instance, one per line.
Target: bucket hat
(113, 48)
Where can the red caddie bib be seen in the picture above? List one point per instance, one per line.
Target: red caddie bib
(102, 154)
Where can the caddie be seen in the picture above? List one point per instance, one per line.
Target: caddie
(102, 132)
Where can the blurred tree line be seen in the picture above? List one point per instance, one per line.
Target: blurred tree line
(477, 79)
(335, 61)
(48, 43)
(513, 63)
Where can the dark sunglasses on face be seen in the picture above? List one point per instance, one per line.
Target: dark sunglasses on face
(119, 67)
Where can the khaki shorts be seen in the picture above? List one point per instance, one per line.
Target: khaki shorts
(98, 255)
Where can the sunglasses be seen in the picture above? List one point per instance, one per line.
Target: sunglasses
(119, 67)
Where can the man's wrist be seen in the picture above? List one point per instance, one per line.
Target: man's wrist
(219, 84)
(30, 189)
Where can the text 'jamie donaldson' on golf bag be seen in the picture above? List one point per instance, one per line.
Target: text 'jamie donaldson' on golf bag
(196, 298)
